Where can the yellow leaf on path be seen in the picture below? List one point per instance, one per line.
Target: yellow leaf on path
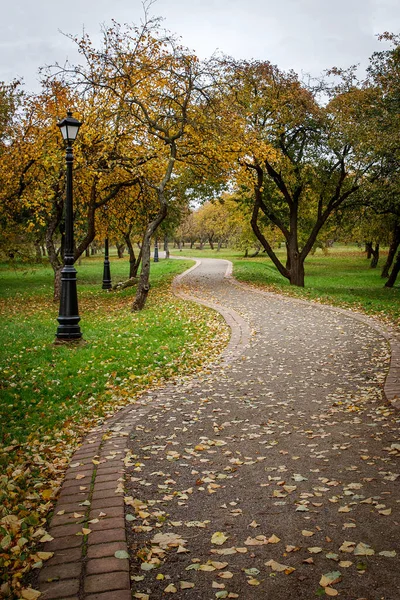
(347, 546)
(330, 578)
(185, 585)
(206, 567)
(181, 549)
(345, 563)
(46, 538)
(86, 531)
(218, 586)
(331, 591)
(80, 476)
(273, 539)
(275, 566)
(141, 596)
(224, 551)
(225, 575)
(307, 533)
(45, 555)
(259, 540)
(170, 589)
(218, 565)
(254, 524)
(315, 550)
(218, 538)
(363, 550)
(253, 581)
(30, 594)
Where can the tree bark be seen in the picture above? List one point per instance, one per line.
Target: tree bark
(394, 244)
(144, 279)
(375, 256)
(368, 249)
(38, 251)
(395, 271)
(120, 250)
(166, 247)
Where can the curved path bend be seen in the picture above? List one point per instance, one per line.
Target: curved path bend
(272, 468)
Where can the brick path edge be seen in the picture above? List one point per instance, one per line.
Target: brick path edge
(93, 488)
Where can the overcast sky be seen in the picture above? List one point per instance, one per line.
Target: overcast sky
(305, 35)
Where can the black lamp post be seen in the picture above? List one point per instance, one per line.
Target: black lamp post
(156, 250)
(106, 270)
(68, 318)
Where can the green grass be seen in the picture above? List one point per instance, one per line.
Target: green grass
(44, 385)
(343, 277)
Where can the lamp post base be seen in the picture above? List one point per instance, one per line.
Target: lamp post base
(68, 318)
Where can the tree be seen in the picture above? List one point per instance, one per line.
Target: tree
(302, 161)
(151, 83)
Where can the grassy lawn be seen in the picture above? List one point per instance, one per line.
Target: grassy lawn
(50, 396)
(343, 277)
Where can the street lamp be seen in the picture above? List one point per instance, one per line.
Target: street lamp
(68, 318)
(107, 285)
(156, 250)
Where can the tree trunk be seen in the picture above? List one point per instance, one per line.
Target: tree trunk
(296, 274)
(392, 251)
(120, 250)
(211, 243)
(38, 252)
(395, 271)
(57, 282)
(166, 247)
(134, 265)
(219, 246)
(368, 249)
(375, 256)
(144, 279)
(87, 252)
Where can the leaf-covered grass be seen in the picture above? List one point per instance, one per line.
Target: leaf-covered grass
(50, 395)
(342, 277)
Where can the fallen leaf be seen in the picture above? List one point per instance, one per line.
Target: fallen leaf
(330, 578)
(30, 594)
(307, 533)
(273, 539)
(185, 585)
(363, 550)
(275, 566)
(218, 538)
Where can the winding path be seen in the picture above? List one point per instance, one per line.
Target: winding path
(254, 479)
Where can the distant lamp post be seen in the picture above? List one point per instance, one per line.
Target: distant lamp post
(68, 318)
(107, 285)
(156, 250)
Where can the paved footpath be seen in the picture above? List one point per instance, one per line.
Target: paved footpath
(274, 473)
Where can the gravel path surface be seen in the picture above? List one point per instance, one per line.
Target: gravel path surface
(272, 474)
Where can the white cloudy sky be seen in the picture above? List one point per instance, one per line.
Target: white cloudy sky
(306, 35)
